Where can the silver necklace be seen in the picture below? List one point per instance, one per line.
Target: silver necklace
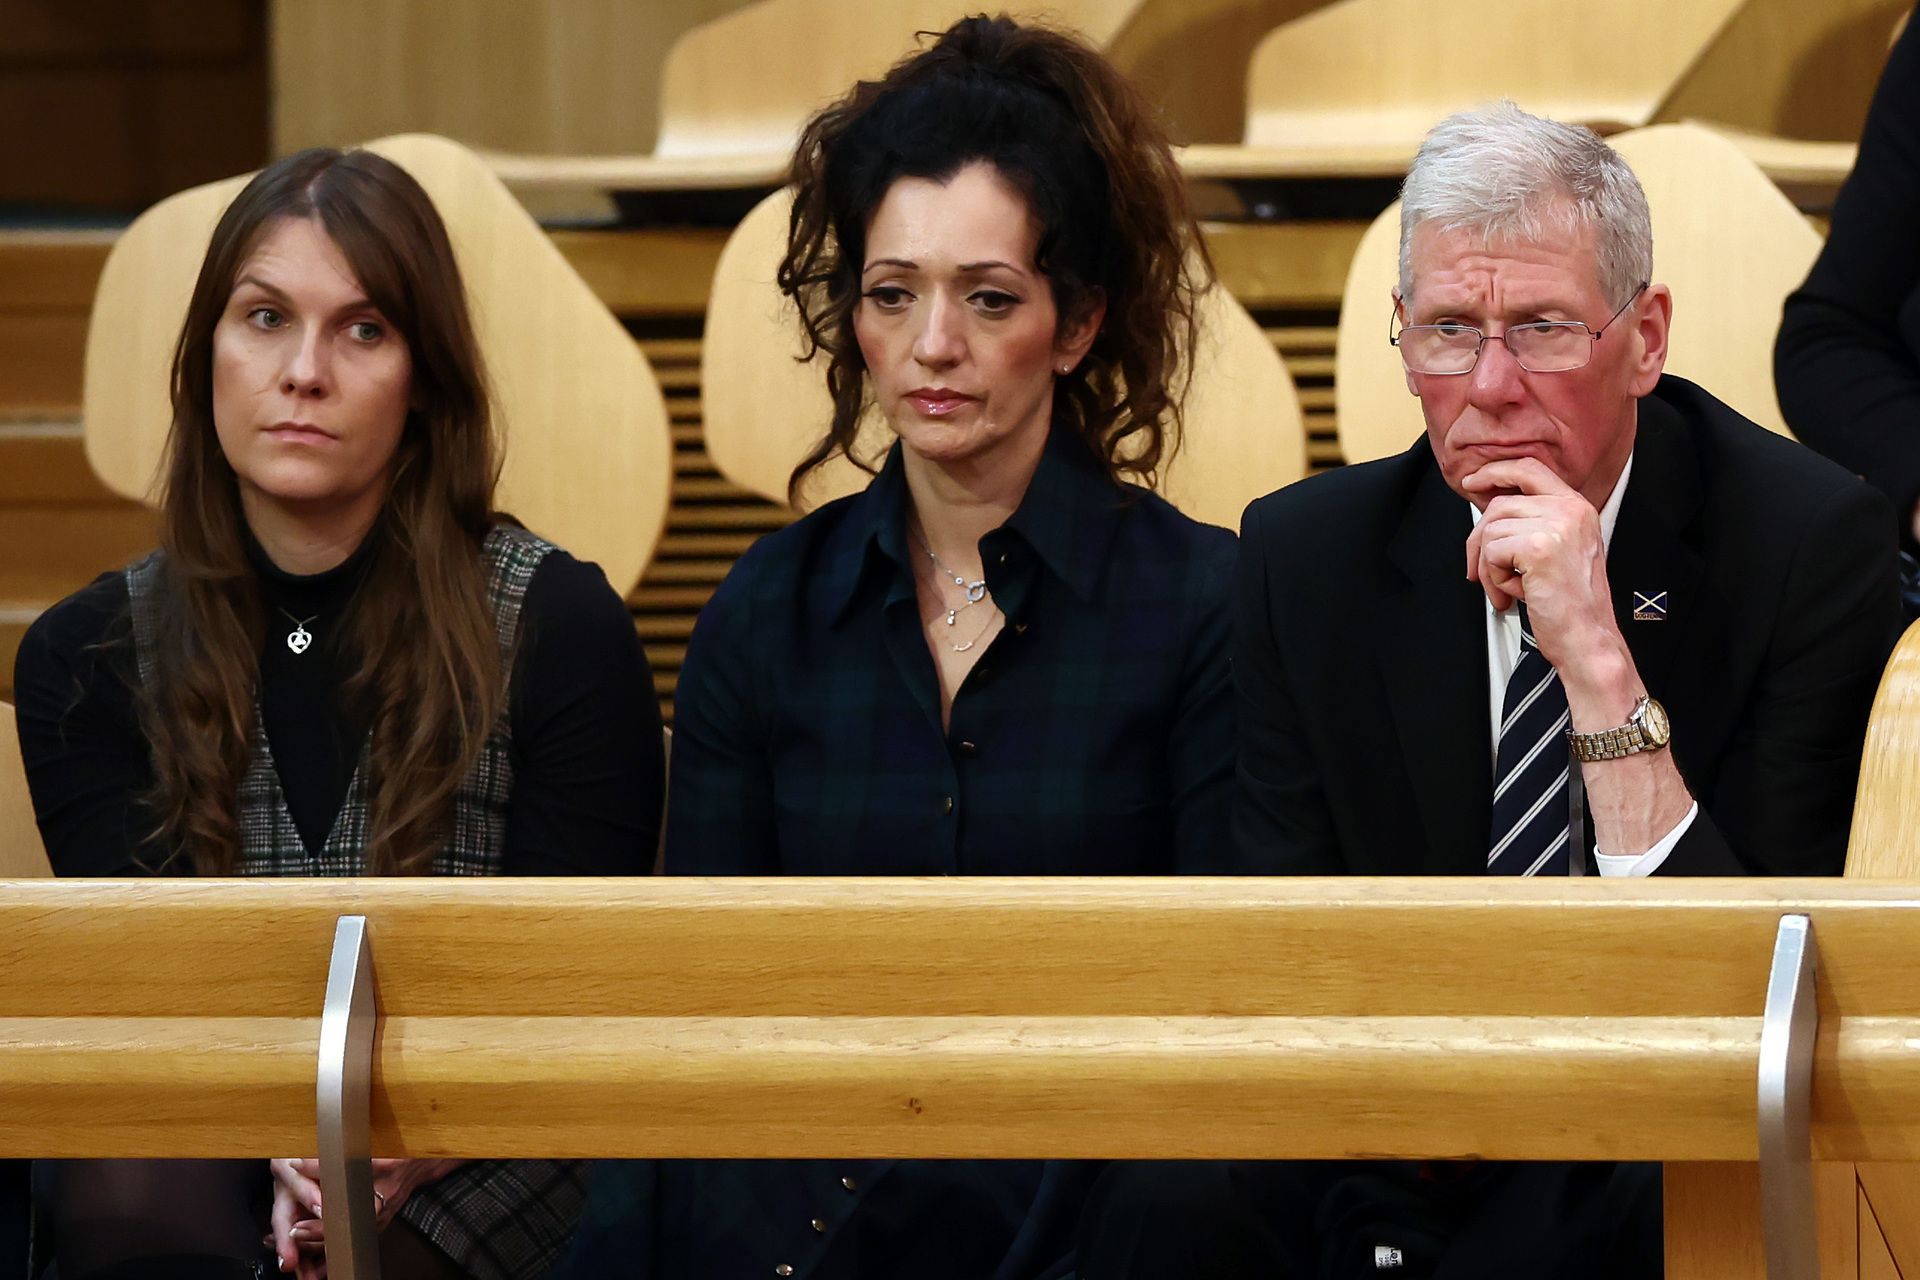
(984, 628)
(299, 638)
(975, 591)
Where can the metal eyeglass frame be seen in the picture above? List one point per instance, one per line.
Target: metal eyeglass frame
(1393, 339)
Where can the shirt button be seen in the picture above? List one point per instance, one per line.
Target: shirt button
(784, 1269)
(849, 1184)
(968, 749)
(946, 806)
(1019, 628)
(819, 1227)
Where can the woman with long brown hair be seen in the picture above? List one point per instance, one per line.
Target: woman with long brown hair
(342, 660)
(1004, 656)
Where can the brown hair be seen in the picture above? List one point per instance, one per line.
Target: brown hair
(427, 665)
(1082, 145)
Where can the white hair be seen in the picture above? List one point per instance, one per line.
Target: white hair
(1518, 177)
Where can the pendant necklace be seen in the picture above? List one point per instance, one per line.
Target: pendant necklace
(985, 627)
(299, 638)
(975, 591)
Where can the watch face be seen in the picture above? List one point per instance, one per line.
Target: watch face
(1653, 719)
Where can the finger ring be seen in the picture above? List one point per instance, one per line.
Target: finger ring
(379, 1201)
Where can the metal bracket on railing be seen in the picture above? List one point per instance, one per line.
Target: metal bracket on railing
(1786, 1105)
(346, 1107)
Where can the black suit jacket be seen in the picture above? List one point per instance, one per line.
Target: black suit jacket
(1361, 666)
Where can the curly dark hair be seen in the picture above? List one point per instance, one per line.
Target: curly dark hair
(1084, 148)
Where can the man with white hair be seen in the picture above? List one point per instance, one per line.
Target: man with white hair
(1582, 563)
(1593, 622)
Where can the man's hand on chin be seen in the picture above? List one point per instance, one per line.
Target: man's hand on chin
(1539, 540)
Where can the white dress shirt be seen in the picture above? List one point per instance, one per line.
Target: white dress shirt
(1503, 655)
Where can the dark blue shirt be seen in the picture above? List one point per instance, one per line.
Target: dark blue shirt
(1094, 737)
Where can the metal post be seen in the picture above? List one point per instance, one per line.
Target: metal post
(1786, 1105)
(345, 1117)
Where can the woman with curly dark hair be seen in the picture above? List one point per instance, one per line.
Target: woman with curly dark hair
(1003, 657)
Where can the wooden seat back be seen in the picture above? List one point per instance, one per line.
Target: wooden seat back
(744, 82)
(1368, 77)
(1885, 841)
(764, 408)
(722, 129)
(1885, 844)
(21, 851)
(588, 454)
(1725, 239)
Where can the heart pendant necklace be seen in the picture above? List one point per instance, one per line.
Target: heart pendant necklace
(299, 639)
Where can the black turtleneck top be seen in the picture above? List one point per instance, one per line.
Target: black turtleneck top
(588, 772)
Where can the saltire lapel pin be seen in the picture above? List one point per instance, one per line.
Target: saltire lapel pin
(1649, 608)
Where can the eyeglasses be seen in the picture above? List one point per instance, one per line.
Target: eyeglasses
(1544, 346)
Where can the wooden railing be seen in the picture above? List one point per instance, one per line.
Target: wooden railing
(1101, 1018)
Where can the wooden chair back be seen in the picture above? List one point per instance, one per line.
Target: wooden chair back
(1369, 77)
(764, 408)
(1725, 239)
(588, 453)
(720, 129)
(1885, 842)
(1882, 1201)
(21, 852)
(1367, 72)
(745, 82)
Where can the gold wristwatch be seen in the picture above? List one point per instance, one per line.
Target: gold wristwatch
(1645, 730)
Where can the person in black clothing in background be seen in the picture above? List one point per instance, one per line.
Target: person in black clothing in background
(341, 661)
(1000, 658)
(1847, 362)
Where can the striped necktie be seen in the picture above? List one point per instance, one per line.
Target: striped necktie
(1529, 830)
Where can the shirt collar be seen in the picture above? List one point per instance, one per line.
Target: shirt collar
(1068, 517)
(1609, 510)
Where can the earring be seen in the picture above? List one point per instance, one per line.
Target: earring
(1065, 369)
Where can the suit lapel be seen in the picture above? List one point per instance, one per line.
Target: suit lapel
(1673, 620)
(1431, 638)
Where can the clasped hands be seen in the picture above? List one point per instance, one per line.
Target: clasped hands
(299, 1239)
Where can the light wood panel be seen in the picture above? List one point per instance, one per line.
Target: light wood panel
(1886, 810)
(1373, 72)
(1725, 240)
(1094, 1017)
(1731, 247)
(587, 458)
(21, 853)
(1882, 844)
(1353, 86)
(1893, 1191)
(1240, 947)
(764, 409)
(1710, 1212)
(721, 130)
(1836, 1194)
(1790, 70)
(1376, 412)
(1876, 1258)
(525, 75)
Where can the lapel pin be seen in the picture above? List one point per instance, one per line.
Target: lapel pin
(1649, 608)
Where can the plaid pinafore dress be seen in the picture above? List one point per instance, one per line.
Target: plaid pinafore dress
(498, 1219)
